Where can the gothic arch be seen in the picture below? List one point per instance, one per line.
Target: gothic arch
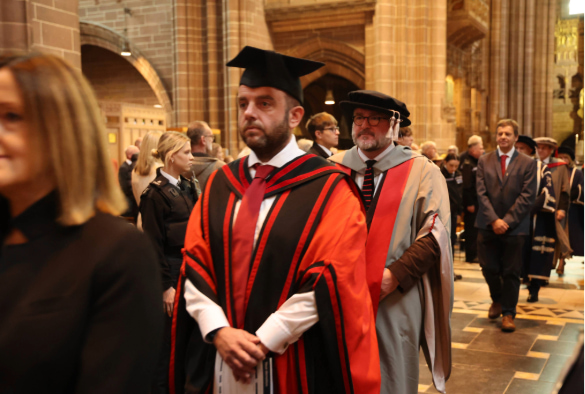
(101, 36)
(339, 58)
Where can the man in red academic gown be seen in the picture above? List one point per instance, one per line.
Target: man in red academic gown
(274, 273)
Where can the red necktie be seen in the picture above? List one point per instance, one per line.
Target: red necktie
(503, 162)
(243, 238)
(368, 186)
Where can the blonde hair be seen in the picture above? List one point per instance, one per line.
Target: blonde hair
(169, 143)
(145, 159)
(62, 111)
(474, 140)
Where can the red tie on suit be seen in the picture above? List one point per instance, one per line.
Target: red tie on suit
(243, 238)
(503, 162)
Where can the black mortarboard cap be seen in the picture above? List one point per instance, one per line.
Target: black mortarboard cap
(269, 68)
(370, 99)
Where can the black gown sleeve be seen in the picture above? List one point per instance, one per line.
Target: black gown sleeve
(152, 208)
(125, 324)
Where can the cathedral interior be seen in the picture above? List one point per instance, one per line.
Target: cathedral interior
(459, 65)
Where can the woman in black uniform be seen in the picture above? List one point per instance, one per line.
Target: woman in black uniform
(165, 206)
(455, 188)
(79, 287)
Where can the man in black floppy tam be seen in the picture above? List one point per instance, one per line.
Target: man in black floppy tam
(408, 248)
(274, 293)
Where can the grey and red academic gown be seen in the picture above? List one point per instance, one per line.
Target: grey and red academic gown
(560, 179)
(543, 233)
(410, 206)
(575, 214)
(313, 239)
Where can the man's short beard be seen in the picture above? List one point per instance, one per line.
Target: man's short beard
(268, 143)
(377, 144)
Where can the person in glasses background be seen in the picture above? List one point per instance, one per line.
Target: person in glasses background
(324, 131)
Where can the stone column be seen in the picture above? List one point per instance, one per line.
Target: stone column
(50, 26)
(405, 57)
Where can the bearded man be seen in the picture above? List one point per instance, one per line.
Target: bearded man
(408, 250)
(274, 273)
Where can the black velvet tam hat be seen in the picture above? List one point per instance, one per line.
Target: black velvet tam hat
(528, 141)
(568, 151)
(370, 99)
(268, 68)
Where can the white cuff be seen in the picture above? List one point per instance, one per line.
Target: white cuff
(289, 322)
(206, 313)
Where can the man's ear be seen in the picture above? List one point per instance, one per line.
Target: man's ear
(318, 134)
(295, 115)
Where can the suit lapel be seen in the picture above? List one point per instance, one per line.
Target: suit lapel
(498, 167)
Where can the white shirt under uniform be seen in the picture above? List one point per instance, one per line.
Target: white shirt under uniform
(283, 327)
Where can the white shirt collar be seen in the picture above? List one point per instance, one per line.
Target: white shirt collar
(174, 181)
(547, 160)
(325, 149)
(509, 154)
(129, 162)
(377, 158)
(289, 152)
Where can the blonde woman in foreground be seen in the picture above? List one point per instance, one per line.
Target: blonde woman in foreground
(78, 286)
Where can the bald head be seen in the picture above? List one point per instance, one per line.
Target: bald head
(131, 151)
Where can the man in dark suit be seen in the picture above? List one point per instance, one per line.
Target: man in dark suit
(324, 131)
(506, 190)
(125, 180)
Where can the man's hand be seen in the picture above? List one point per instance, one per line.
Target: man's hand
(560, 214)
(499, 226)
(238, 348)
(169, 300)
(471, 208)
(389, 283)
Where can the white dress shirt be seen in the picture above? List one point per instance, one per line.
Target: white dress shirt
(509, 154)
(378, 175)
(173, 181)
(329, 153)
(294, 317)
(129, 162)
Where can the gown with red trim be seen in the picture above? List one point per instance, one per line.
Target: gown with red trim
(313, 239)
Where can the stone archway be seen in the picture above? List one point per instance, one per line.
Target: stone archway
(340, 59)
(101, 36)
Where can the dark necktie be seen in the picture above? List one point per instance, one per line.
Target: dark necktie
(503, 163)
(243, 238)
(368, 187)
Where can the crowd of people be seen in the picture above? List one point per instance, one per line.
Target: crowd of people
(279, 271)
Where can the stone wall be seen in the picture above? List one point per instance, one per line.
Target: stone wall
(48, 26)
(115, 79)
(149, 28)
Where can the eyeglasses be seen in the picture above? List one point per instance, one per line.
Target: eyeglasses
(210, 136)
(372, 120)
(332, 129)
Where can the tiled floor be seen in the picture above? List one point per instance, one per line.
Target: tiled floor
(489, 361)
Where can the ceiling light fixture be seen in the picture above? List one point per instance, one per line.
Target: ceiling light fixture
(329, 99)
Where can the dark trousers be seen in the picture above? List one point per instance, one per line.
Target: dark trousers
(500, 257)
(470, 235)
(161, 379)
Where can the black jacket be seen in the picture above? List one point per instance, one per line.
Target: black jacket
(165, 210)
(80, 306)
(455, 187)
(125, 180)
(469, 173)
(317, 150)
